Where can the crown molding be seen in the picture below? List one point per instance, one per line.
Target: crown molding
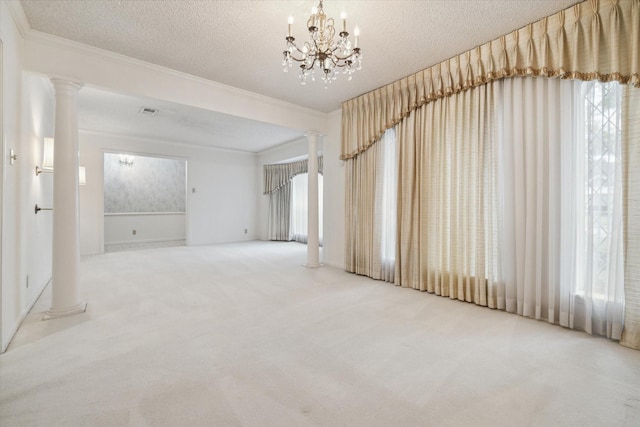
(284, 145)
(169, 142)
(36, 36)
(19, 17)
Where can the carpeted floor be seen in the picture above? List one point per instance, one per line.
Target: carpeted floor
(243, 335)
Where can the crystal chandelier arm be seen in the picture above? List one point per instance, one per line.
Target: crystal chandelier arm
(322, 52)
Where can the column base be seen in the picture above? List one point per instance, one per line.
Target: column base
(76, 309)
(313, 265)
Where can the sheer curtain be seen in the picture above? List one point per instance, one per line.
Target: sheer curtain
(299, 217)
(299, 203)
(279, 213)
(559, 181)
(371, 210)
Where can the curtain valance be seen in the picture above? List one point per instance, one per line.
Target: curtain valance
(595, 39)
(276, 176)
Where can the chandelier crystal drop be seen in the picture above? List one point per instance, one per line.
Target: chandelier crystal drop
(323, 53)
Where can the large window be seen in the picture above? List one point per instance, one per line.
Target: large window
(517, 205)
(600, 207)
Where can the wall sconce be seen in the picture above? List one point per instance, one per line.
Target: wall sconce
(126, 160)
(47, 158)
(47, 164)
(82, 175)
(38, 209)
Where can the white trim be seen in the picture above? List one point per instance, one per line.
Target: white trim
(143, 154)
(142, 242)
(19, 17)
(159, 141)
(23, 315)
(142, 213)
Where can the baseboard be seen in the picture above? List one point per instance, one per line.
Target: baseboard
(23, 315)
(143, 244)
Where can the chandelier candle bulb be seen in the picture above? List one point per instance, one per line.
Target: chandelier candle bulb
(356, 33)
(344, 21)
(290, 21)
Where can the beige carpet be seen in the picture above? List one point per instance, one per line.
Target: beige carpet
(243, 335)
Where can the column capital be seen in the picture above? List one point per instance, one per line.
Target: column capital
(312, 134)
(60, 82)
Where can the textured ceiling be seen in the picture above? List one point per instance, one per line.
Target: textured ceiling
(240, 43)
(103, 111)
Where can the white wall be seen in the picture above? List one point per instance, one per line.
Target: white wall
(225, 182)
(27, 117)
(148, 227)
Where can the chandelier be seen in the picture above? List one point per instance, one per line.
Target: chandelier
(322, 53)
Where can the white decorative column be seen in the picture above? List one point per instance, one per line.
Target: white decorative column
(66, 230)
(313, 245)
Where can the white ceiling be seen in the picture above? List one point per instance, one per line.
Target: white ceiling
(109, 112)
(240, 43)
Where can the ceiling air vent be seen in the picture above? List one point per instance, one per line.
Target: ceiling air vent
(148, 111)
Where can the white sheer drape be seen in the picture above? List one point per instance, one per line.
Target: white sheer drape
(371, 210)
(279, 213)
(559, 187)
(388, 207)
(299, 195)
(600, 258)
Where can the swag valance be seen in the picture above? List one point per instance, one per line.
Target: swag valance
(276, 176)
(595, 39)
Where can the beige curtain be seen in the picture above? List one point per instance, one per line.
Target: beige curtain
(279, 174)
(595, 39)
(446, 199)
(631, 209)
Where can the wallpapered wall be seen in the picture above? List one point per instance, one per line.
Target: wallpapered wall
(150, 184)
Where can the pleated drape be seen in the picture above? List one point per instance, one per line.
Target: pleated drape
(279, 174)
(595, 39)
(277, 184)
(631, 209)
(446, 226)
